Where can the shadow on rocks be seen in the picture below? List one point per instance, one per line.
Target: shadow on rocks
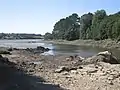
(12, 78)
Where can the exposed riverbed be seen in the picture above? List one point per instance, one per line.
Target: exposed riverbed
(57, 69)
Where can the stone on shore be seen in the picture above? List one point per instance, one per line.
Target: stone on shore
(105, 56)
(61, 69)
(4, 52)
(39, 49)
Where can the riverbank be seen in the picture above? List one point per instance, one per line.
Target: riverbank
(61, 72)
(108, 44)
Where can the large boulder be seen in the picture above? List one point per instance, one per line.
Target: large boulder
(102, 57)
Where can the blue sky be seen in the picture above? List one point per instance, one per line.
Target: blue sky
(39, 16)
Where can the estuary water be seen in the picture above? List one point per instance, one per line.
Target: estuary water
(56, 49)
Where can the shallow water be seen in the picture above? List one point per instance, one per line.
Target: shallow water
(56, 49)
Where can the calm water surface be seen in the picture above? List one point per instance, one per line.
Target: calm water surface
(56, 49)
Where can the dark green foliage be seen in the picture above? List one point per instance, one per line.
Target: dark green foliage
(109, 27)
(48, 36)
(67, 28)
(97, 18)
(85, 23)
(72, 34)
(97, 26)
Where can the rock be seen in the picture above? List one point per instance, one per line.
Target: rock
(90, 70)
(110, 82)
(68, 76)
(70, 58)
(67, 59)
(114, 73)
(104, 53)
(42, 48)
(74, 71)
(80, 67)
(30, 70)
(16, 49)
(61, 69)
(72, 68)
(110, 77)
(87, 70)
(4, 59)
(5, 52)
(47, 49)
(39, 49)
(58, 70)
(109, 58)
(98, 74)
(79, 58)
(23, 63)
(103, 64)
(32, 42)
(102, 57)
(65, 73)
(10, 49)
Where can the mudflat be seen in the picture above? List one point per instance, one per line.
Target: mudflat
(60, 72)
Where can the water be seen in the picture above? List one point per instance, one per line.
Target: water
(56, 49)
(25, 43)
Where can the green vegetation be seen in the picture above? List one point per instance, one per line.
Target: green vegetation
(96, 26)
(48, 36)
(67, 28)
(20, 36)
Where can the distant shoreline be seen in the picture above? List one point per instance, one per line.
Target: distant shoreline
(20, 36)
(22, 39)
(108, 44)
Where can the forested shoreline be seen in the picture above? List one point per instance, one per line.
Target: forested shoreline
(20, 36)
(95, 26)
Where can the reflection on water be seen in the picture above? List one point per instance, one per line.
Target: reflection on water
(74, 49)
(56, 49)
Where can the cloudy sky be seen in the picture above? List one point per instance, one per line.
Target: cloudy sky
(39, 16)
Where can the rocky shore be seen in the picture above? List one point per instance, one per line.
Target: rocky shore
(33, 71)
(108, 44)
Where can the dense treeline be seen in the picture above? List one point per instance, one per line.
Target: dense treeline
(97, 26)
(20, 36)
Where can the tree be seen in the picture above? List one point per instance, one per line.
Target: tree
(85, 23)
(97, 26)
(72, 34)
(97, 18)
(63, 27)
(48, 36)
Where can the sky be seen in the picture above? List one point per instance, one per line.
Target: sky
(39, 16)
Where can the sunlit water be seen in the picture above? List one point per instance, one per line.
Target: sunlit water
(56, 49)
